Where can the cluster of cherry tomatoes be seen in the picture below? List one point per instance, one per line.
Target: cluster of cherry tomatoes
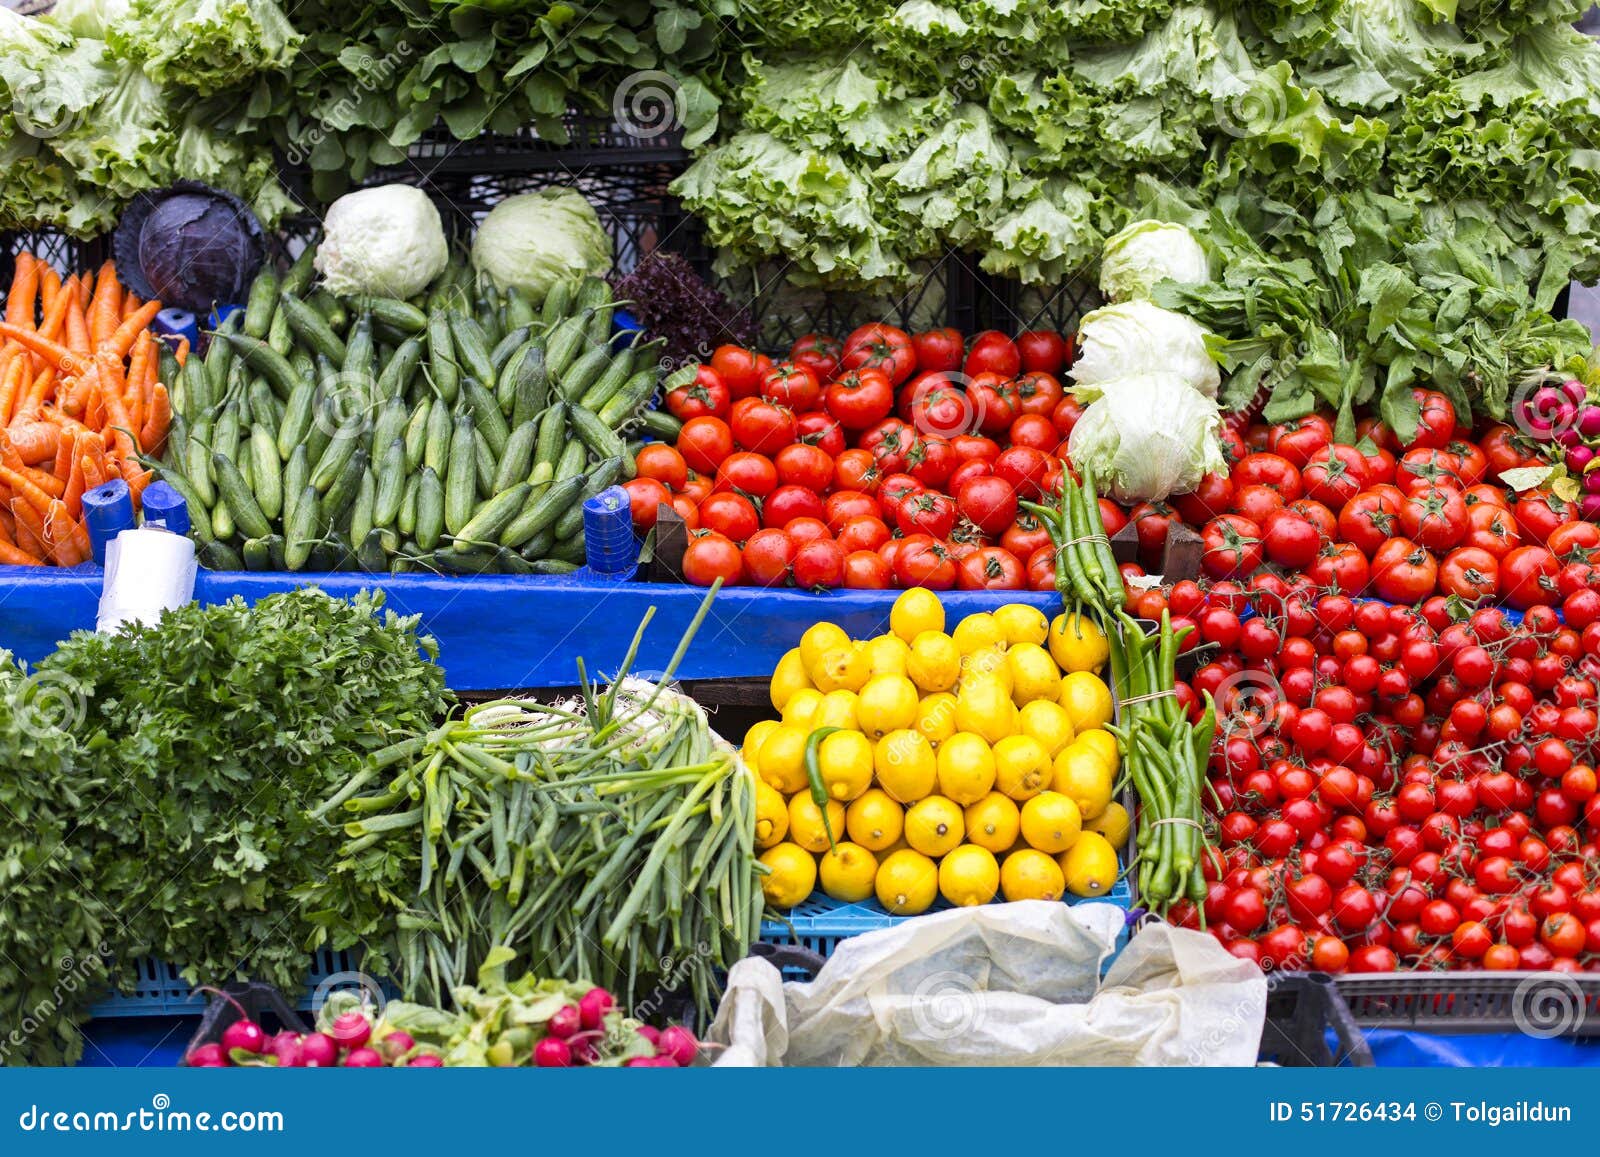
(1397, 786)
(882, 460)
(1400, 521)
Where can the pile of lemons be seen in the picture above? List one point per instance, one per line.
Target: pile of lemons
(971, 765)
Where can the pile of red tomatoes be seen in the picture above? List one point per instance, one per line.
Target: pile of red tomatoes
(883, 460)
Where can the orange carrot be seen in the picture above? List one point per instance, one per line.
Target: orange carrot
(78, 326)
(55, 314)
(94, 409)
(29, 529)
(137, 478)
(24, 288)
(153, 436)
(93, 473)
(130, 303)
(85, 285)
(78, 541)
(11, 387)
(134, 398)
(38, 392)
(28, 444)
(45, 481)
(73, 494)
(59, 525)
(182, 354)
(112, 390)
(49, 286)
(134, 323)
(8, 526)
(54, 353)
(62, 466)
(16, 556)
(105, 309)
(22, 486)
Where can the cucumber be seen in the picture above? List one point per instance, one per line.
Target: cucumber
(301, 271)
(262, 409)
(216, 555)
(530, 385)
(461, 479)
(583, 373)
(611, 380)
(558, 301)
(330, 309)
(436, 449)
(296, 473)
(661, 425)
(262, 359)
(519, 311)
(430, 509)
(370, 555)
(266, 471)
(442, 366)
(361, 512)
(510, 344)
(486, 415)
(486, 462)
(312, 328)
(338, 498)
(564, 344)
(400, 316)
(569, 550)
(238, 501)
(538, 546)
(197, 468)
(303, 530)
(625, 405)
(400, 368)
(406, 519)
(199, 514)
(492, 517)
(472, 349)
(547, 448)
(574, 456)
(389, 425)
(391, 487)
(517, 459)
(416, 434)
(603, 475)
(330, 466)
(360, 354)
(262, 303)
(280, 338)
(596, 435)
(257, 554)
(545, 505)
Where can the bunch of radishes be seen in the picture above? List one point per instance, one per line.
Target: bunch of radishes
(349, 1042)
(574, 1030)
(1565, 415)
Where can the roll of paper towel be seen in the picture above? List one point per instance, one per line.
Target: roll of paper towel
(147, 572)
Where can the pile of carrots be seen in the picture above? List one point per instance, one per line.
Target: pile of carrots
(80, 404)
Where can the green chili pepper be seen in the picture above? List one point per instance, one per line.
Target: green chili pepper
(819, 789)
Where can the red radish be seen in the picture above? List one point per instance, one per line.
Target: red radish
(286, 1047)
(396, 1045)
(208, 1056)
(651, 1034)
(425, 1061)
(318, 1050)
(582, 1050)
(594, 1006)
(552, 1053)
(363, 1058)
(244, 1034)
(678, 1043)
(351, 1029)
(649, 1063)
(565, 1021)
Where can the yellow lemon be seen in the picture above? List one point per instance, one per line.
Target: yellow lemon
(984, 707)
(888, 703)
(874, 821)
(791, 876)
(907, 882)
(1082, 776)
(1111, 823)
(993, 822)
(837, 709)
(989, 663)
(772, 815)
(1021, 766)
(845, 761)
(934, 826)
(934, 663)
(848, 872)
(790, 675)
(1033, 674)
(1087, 700)
(782, 761)
(1078, 643)
(819, 639)
(844, 666)
(969, 876)
(1028, 875)
(1051, 822)
(1020, 623)
(1049, 723)
(906, 766)
(899, 845)
(887, 655)
(753, 739)
(802, 708)
(1089, 865)
(805, 822)
(915, 611)
(936, 717)
(978, 632)
(966, 768)
(1102, 743)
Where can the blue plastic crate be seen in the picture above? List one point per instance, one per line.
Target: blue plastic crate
(159, 990)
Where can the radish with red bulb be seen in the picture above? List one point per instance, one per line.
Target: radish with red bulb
(594, 1006)
(565, 1021)
(1589, 421)
(651, 1034)
(244, 1034)
(552, 1053)
(425, 1061)
(678, 1043)
(1576, 391)
(207, 1056)
(1578, 458)
(286, 1047)
(351, 1029)
(1589, 507)
(396, 1045)
(363, 1058)
(318, 1050)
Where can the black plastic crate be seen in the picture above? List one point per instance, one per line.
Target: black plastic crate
(1540, 1004)
(1302, 1008)
(1012, 307)
(590, 141)
(260, 1001)
(67, 253)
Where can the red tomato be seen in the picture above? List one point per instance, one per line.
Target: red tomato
(819, 429)
(704, 442)
(859, 399)
(1435, 517)
(706, 394)
(1403, 572)
(993, 353)
(1436, 423)
(663, 463)
(1539, 513)
(710, 556)
(1334, 475)
(1042, 569)
(1491, 528)
(1256, 502)
(730, 515)
(935, 405)
(938, 350)
(741, 369)
(1042, 351)
(1499, 446)
(971, 446)
(1424, 466)
(885, 348)
(1232, 546)
(863, 532)
(802, 465)
(1034, 431)
(1038, 394)
(1024, 469)
(792, 386)
(991, 568)
(1151, 520)
(767, 557)
(994, 402)
(818, 354)
(787, 503)
(1289, 540)
(804, 530)
(1024, 536)
(1213, 496)
(819, 565)
(645, 497)
(864, 570)
(1528, 576)
(1470, 573)
(1570, 538)
(923, 562)
(927, 513)
(856, 470)
(988, 503)
(746, 473)
(1263, 469)
(762, 426)
(931, 460)
(1301, 439)
(688, 510)
(1066, 414)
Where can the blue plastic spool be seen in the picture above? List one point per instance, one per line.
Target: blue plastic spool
(608, 532)
(177, 324)
(107, 512)
(165, 509)
(221, 314)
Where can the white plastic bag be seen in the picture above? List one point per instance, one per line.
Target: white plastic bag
(1001, 984)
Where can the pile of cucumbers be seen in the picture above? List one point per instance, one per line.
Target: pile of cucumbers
(458, 432)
